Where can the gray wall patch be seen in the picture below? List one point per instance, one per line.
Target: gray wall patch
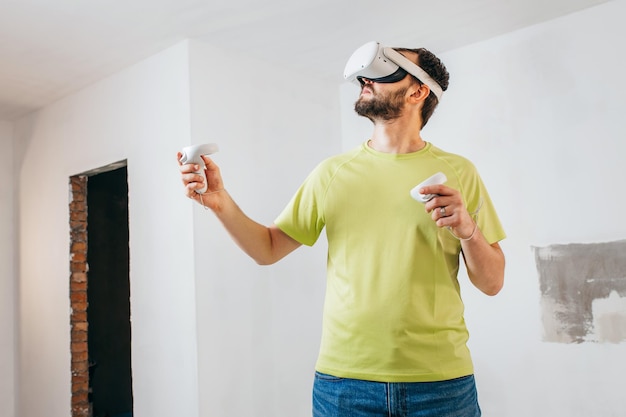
(583, 292)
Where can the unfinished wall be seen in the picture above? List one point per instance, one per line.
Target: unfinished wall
(540, 112)
(79, 303)
(583, 292)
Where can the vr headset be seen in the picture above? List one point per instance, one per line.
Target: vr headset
(385, 65)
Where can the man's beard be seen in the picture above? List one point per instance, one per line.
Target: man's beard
(381, 107)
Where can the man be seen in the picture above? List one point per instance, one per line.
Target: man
(393, 337)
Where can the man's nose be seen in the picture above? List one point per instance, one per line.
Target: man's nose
(365, 81)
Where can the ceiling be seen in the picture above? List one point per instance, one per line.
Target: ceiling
(52, 48)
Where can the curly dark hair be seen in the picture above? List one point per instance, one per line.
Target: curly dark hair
(435, 68)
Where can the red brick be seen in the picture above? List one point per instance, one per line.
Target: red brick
(79, 347)
(79, 257)
(78, 297)
(79, 336)
(78, 247)
(78, 286)
(80, 398)
(78, 316)
(78, 266)
(80, 357)
(80, 366)
(83, 326)
(79, 277)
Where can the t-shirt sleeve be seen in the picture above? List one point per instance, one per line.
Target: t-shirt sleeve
(480, 205)
(303, 217)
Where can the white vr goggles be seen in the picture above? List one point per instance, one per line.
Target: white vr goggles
(385, 65)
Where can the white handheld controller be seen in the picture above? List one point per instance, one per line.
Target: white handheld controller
(438, 178)
(193, 155)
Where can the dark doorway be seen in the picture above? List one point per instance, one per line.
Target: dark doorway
(108, 295)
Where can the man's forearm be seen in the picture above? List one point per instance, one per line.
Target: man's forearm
(485, 263)
(266, 245)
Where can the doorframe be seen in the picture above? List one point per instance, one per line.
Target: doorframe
(79, 272)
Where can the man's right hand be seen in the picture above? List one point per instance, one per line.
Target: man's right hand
(192, 182)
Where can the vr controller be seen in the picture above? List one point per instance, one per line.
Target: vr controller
(193, 155)
(438, 178)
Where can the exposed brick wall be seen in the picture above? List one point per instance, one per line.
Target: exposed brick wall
(78, 296)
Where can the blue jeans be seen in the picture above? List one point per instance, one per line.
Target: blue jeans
(342, 397)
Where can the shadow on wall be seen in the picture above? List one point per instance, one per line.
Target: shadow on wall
(583, 292)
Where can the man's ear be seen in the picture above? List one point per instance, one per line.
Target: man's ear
(420, 92)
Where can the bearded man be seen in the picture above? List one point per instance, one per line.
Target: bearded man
(394, 339)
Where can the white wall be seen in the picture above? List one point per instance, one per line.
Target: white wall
(540, 112)
(7, 273)
(142, 115)
(258, 327)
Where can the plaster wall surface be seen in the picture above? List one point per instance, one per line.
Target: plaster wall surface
(550, 148)
(8, 240)
(540, 113)
(140, 115)
(258, 326)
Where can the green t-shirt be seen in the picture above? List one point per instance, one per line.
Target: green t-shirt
(393, 310)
